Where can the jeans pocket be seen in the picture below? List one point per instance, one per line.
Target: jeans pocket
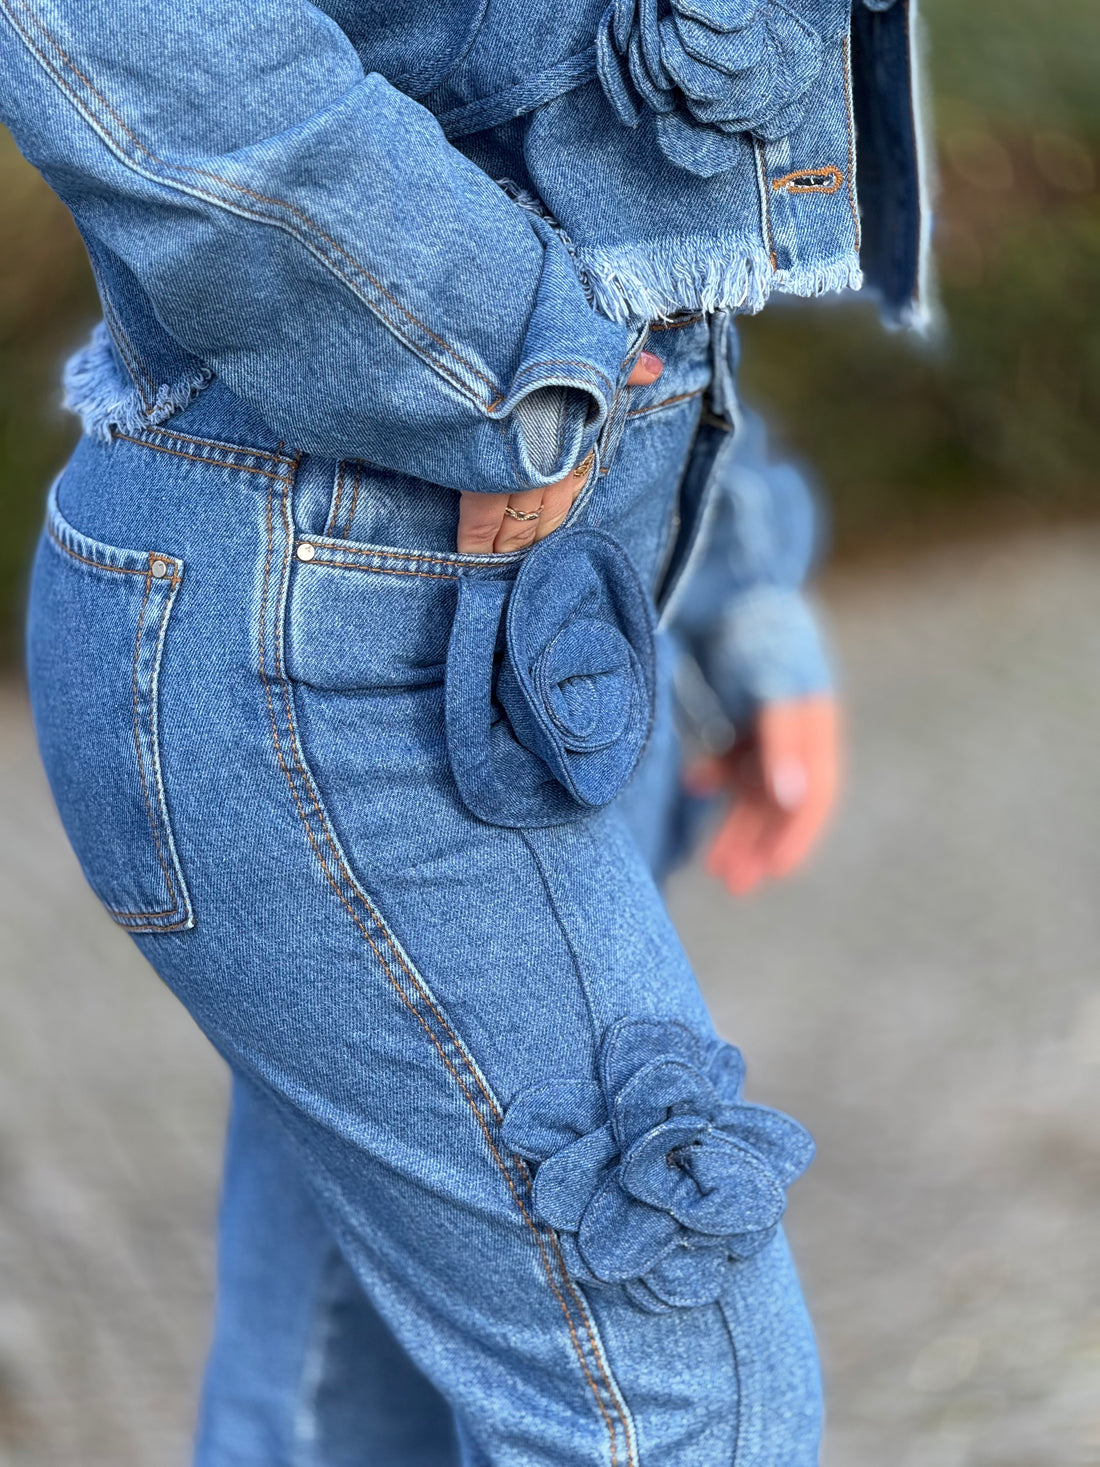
(95, 640)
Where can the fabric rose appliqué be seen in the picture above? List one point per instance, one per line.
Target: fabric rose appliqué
(659, 1177)
(549, 684)
(708, 69)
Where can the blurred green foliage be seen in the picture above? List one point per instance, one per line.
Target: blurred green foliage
(997, 422)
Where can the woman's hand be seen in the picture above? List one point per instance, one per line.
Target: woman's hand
(783, 777)
(484, 525)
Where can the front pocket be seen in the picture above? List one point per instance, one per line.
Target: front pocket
(97, 624)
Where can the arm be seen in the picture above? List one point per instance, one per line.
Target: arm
(306, 231)
(747, 626)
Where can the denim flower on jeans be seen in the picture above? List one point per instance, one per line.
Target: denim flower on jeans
(660, 1176)
(709, 71)
(568, 717)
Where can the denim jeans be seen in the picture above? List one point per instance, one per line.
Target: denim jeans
(493, 1194)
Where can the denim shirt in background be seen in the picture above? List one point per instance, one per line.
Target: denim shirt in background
(431, 237)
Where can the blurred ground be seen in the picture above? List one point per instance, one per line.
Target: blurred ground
(926, 998)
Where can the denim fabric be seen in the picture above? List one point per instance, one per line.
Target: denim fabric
(268, 194)
(389, 974)
(743, 616)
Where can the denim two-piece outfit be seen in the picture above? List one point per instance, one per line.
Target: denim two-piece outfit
(387, 817)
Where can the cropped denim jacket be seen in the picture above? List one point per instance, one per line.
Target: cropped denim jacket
(430, 236)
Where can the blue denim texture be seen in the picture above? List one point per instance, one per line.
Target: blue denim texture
(238, 661)
(268, 193)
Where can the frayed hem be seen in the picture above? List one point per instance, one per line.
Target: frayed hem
(702, 275)
(106, 401)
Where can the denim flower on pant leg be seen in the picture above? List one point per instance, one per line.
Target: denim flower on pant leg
(708, 70)
(658, 1176)
(550, 682)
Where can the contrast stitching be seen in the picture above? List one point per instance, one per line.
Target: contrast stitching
(275, 458)
(238, 188)
(128, 353)
(381, 552)
(655, 407)
(216, 463)
(385, 570)
(853, 205)
(141, 762)
(795, 183)
(321, 817)
(123, 570)
(417, 985)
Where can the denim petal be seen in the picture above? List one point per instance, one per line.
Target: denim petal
(726, 1072)
(565, 1183)
(732, 51)
(687, 1277)
(659, 1090)
(620, 1238)
(787, 1147)
(548, 1116)
(653, 95)
(650, 1171)
(782, 123)
(631, 1043)
(649, 28)
(697, 79)
(747, 1245)
(695, 148)
(615, 80)
(732, 1190)
(622, 14)
(722, 15)
(642, 1296)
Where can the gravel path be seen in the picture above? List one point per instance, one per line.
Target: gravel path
(926, 998)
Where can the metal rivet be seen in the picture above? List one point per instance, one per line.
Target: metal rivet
(306, 552)
(159, 569)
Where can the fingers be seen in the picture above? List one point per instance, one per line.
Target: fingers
(514, 534)
(646, 370)
(558, 499)
(485, 527)
(786, 779)
(479, 517)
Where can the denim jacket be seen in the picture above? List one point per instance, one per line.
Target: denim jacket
(303, 199)
(432, 237)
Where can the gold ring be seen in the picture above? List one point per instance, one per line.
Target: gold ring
(522, 514)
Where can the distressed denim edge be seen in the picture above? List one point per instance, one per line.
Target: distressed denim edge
(106, 401)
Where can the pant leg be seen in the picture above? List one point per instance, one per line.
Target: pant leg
(302, 1372)
(300, 1360)
(397, 978)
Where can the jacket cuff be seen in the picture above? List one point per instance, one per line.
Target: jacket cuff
(766, 647)
(572, 366)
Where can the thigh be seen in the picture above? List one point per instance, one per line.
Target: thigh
(438, 1009)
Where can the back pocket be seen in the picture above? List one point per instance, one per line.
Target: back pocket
(97, 624)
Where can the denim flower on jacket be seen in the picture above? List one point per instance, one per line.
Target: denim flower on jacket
(708, 69)
(550, 682)
(659, 1177)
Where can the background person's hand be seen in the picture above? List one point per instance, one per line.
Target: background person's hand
(783, 777)
(483, 525)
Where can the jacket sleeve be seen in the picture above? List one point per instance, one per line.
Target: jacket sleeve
(306, 231)
(744, 617)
